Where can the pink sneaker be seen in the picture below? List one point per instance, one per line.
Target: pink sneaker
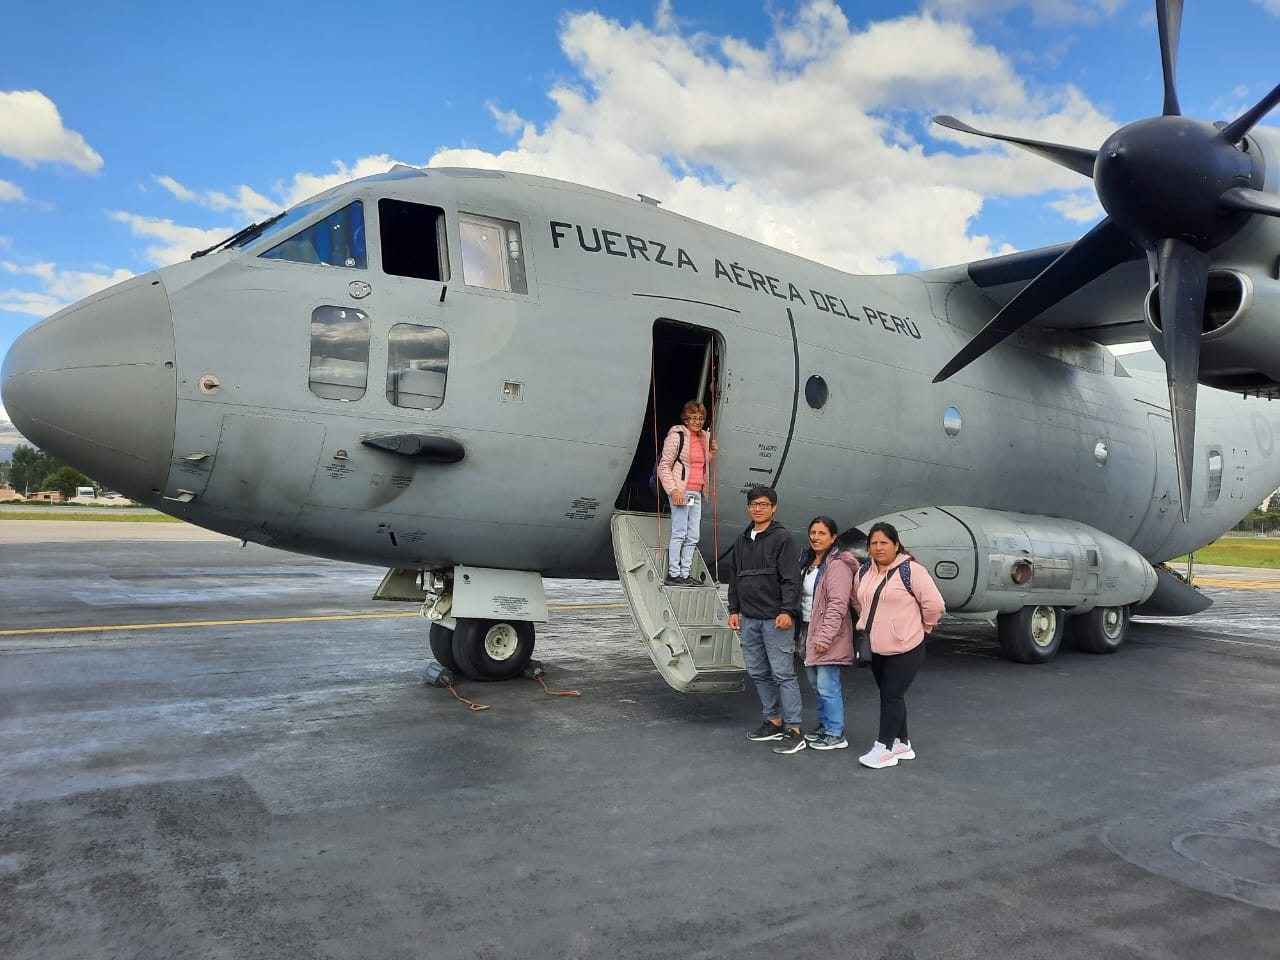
(903, 751)
(878, 756)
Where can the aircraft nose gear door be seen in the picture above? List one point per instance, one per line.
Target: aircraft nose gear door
(685, 629)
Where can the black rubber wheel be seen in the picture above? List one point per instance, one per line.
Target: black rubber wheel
(1032, 634)
(441, 640)
(492, 649)
(1101, 630)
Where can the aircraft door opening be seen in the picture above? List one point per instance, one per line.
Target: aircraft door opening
(685, 364)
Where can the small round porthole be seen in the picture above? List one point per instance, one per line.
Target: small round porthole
(1100, 453)
(951, 421)
(1020, 572)
(816, 392)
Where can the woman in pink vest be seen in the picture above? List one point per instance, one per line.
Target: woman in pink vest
(683, 470)
(909, 607)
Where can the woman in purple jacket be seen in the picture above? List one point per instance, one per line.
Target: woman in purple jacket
(826, 628)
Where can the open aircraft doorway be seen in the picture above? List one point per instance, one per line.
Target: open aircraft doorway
(685, 364)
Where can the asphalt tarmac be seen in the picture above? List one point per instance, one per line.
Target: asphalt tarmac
(210, 751)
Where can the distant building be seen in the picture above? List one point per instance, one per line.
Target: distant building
(47, 496)
(8, 493)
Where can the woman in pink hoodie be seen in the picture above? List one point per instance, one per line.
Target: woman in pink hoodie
(909, 607)
(826, 629)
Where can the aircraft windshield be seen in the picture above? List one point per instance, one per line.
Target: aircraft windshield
(284, 224)
(335, 241)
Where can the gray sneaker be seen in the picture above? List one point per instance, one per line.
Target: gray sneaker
(817, 734)
(829, 742)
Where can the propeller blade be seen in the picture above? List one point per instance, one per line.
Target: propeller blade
(1237, 128)
(1184, 275)
(1252, 201)
(1102, 248)
(1073, 158)
(1169, 20)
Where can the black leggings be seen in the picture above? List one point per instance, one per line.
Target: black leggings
(894, 673)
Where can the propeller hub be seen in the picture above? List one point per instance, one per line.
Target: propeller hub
(1163, 177)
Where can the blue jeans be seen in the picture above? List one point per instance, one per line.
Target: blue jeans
(825, 680)
(770, 657)
(686, 527)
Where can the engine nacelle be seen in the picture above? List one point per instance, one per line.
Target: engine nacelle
(989, 560)
(1240, 342)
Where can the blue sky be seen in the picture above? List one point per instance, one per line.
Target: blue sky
(132, 134)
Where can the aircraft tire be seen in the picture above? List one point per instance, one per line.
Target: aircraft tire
(492, 649)
(441, 640)
(1032, 634)
(1101, 630)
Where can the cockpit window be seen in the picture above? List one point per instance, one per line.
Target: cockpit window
(412, 240)
(335, 241)
(417, 365)
(339, 353)
(281, 226)
(492, 254)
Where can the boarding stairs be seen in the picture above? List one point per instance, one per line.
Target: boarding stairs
(685, 630)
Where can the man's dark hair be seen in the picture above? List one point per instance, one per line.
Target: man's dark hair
(759, 490)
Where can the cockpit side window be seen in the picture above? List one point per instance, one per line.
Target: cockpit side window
(339, 353)
(417, 365)
(412, 240)
(492, 254)
(335, 241)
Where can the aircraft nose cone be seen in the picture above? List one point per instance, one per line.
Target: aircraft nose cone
(95, 385)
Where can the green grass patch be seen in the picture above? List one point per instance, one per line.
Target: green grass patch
(104, 515)
(1241, 552)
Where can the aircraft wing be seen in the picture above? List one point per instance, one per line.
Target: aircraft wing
(1107, 310)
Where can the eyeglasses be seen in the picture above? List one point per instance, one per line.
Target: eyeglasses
(697, 419)
(759, 505)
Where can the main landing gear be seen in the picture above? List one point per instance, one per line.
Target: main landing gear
(1035, 634)
(484, 649)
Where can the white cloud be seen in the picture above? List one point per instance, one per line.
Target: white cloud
(1271, 6)
(246, 202)
(1080, 207)
(816, 142)
(177, 242)
(11, 192)
(31, 132)
(59, 287)
(306, 185)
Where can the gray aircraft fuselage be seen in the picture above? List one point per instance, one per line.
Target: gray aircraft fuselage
(194, 389)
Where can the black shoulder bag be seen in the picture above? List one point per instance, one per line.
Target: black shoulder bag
(862, 637)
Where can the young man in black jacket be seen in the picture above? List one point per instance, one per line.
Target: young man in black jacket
(764, 600)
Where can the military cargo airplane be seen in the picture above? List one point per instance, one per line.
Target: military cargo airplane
(463, 375)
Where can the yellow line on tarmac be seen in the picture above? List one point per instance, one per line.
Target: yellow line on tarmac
(176, 625)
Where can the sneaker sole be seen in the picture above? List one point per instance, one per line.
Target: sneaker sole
(891, 762)
(755, 739)
(829, 746)
(909, 755)
(785, 752)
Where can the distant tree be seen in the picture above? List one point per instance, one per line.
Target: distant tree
(4, 473)
(65, 480)
(30, 466)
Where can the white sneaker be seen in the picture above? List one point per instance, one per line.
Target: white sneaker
(878, 756)
(903, 751)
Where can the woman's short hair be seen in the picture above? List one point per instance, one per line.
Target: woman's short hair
(693, 407)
